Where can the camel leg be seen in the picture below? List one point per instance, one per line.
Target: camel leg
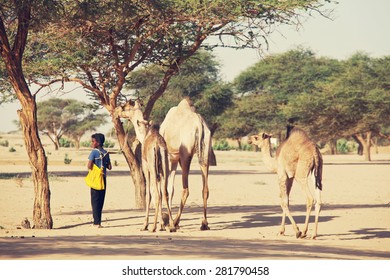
(185, 167)
(157, 202)
(205, 193)
(171, 181)
(309, 202)
(318, 203)
(164, 191)
(148, 198)
(283, 183)
(288, 184)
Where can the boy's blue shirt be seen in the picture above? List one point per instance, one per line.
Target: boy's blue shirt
(95, 157)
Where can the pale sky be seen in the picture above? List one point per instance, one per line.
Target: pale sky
(357, 25)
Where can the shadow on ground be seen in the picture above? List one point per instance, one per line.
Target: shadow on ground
(172, 247)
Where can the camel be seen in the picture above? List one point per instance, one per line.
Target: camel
(297, 158)
(154, 162)
(186, 133)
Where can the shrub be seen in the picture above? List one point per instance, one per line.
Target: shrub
(222, 145)
(107, 144)
(246, 147)
(4, 143)
(65, 143)
(67, 160)
(85, 143)
(344, 146)
(12, 149)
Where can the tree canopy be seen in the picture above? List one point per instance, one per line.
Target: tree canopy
(329, 98)
(58, 117)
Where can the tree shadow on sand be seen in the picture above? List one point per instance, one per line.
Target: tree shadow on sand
(173, 247)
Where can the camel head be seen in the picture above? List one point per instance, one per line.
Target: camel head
(132, 110)
(128, 110)
(260, 140)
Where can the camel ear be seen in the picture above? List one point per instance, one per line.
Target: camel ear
(265, 135)
(150, 123)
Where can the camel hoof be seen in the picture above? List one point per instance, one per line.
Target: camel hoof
(299, 234)
(170, 229)
(165, 218)
(281, 233)
(314, 237)
(303, 235)
(204, 227)
(144, 229)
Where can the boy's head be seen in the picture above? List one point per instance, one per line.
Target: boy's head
(99, 138)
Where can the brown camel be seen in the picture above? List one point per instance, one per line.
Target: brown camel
(154, 162)
(186, 133)
(296, 158)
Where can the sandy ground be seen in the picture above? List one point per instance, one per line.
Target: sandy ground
(243, 212)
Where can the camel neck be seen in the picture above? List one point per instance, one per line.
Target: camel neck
(268, 160)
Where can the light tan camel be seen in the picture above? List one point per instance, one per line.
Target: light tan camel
(296, 158)
(186, 133)
(154, 162)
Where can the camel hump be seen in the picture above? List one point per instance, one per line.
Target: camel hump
(185, 105)
(298, 135)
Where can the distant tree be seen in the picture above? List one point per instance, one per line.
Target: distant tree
(58, 117)
(250, 114)
(364, 86)
(354, 102)
(281, 80)
(285, 75)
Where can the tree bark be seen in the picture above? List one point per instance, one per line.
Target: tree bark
(134, 163)
(239, 144)
(333, 147)
(365, 140)
(38, 162)
(57, 143)
(360, 145)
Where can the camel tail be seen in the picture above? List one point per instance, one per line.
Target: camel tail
(318, 169)
(164, 168)
(202, 143)
(157, 162)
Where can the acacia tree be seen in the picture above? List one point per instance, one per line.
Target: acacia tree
(90, 46)
(58, 117)
(363, 86)
(353, 102)
(250, 114)
(16, 19)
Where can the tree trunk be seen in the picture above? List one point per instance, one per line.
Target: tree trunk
(366, 143)
(76, 142)
(134, 164)
(38, 162)
(56, 143)
(53, 139)
(239, 144)
(360, 145)
(333, 147)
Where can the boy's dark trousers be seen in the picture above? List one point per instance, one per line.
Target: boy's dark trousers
(97, 201)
